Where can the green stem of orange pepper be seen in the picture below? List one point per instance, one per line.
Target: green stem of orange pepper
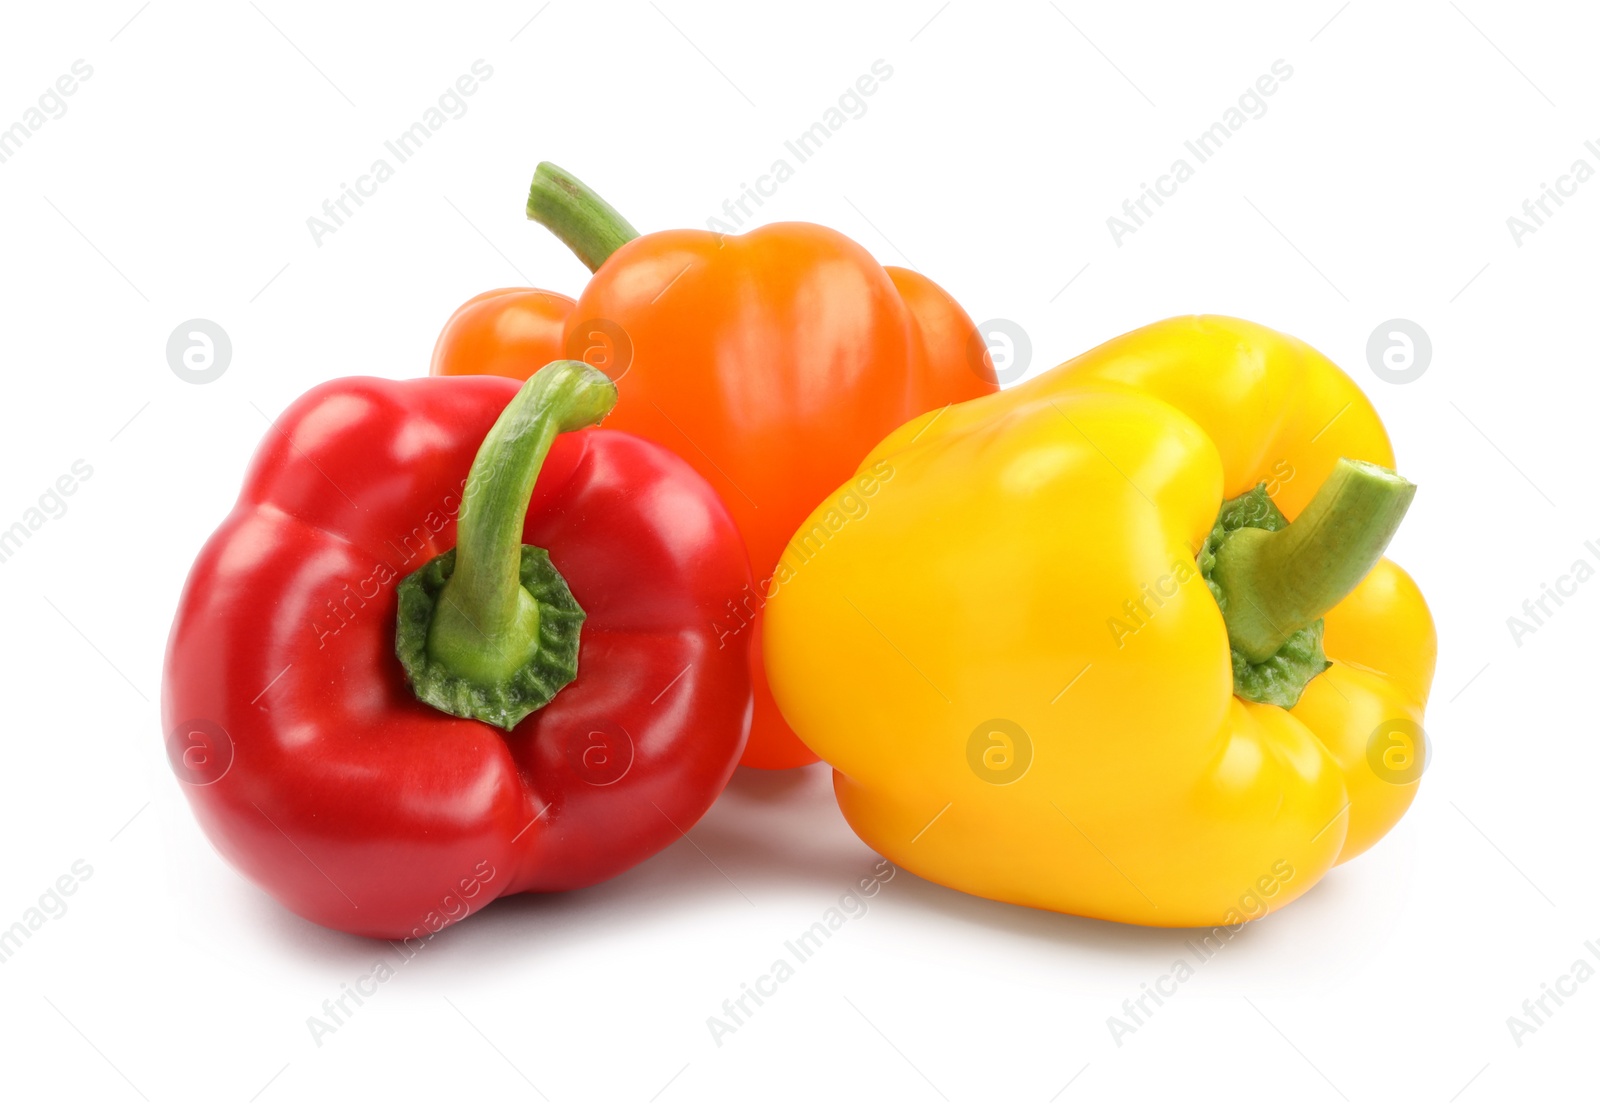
(587, 224)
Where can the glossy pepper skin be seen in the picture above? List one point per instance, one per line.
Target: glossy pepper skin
(306, 756)
(770, 361)
(509, 332)
(1008, 653)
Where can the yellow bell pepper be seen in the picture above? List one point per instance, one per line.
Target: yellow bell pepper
(1057, 655)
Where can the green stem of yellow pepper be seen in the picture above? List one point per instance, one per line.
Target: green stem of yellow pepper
(1276, 583)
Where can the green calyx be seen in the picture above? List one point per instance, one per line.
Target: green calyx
(1273, 581)
(570, 209)
(498, 701)
(489, 630)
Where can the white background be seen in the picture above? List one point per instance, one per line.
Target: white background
(1377, 185)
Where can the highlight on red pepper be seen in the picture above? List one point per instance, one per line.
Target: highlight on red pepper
(451, 645)
(771, 361)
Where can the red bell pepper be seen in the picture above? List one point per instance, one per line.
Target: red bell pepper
(582, 717)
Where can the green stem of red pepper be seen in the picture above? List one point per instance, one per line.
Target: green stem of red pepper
(587, 224)
(1276, 583)
(489, 629)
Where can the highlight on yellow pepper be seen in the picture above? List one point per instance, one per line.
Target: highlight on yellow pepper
(1118, 641)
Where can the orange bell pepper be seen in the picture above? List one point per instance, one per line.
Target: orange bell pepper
(511, 332)
(770, 361)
